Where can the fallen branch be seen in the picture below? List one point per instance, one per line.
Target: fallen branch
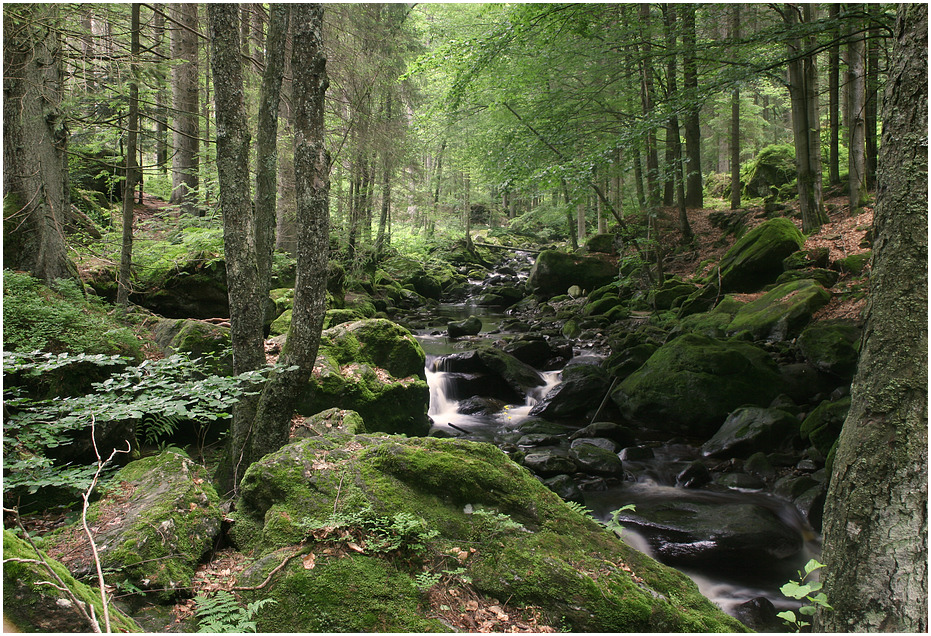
(269, 577)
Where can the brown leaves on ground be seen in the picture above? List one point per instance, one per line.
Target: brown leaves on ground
(461, 607)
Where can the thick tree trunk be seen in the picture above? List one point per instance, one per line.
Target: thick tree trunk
(674, 141)
(161, 96)
(126, 251)
(385, 190)
(239, 231)
(186, 101)
(646, 101)
(856, 111)
(875, 520)
(311, 175)
(35, 192)
(834, 100)
(266, 175)
(872, 97)
(693, 190)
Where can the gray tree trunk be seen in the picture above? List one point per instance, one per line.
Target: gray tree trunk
(872, 96)
(266, 174)
(834, 101)
(875, 519)
(856, 112)
(311, 175)
(735, 120)
(186, 101)
(35, 190)
(161, 94)
(126, 251)
(694, 195)
(239, 231)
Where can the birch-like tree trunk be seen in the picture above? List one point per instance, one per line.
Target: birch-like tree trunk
(856, 112)
(876, 512)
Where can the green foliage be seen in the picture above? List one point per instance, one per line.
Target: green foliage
(175, 389)
(402, 533)
(613, 524)
(58, 318)
(221, 613)
(804, 588)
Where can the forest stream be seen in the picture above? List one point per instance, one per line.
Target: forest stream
(648, 482)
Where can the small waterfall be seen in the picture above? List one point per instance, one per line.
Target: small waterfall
(441, 406)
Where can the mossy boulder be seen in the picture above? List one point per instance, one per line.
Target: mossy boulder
(471, 326)
(603, 243)
(832, 346)
(197, 339)
(780, 313)
(823, 425)
(194, 288)
(490, 372)
(712, 323)
(330, 421)
(756, 259)
(770, 170)
(854, 264)
(513, 539)
(582, 388)
(665, 296)
(281, 324)
(335, 317)
(693, 382)
(752, 429)
(554, 272)
(805, 259)
(31, 607)
(601, 306)
(827, 278)
(376, 368)
(152, 527)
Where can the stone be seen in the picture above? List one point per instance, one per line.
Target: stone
(759, 614)
(771, 169)
(471, 326)
(492, 372)
(672, 290)
(30, 607)
(818, 257)
(618, 433)
(604, 243)
(832, 346)
(554, 272)
(330, 421)
(565, 487)
(531, 349)
(741, 481)
(780, 314)
(756, 259)
(695, 475)
(581, 391)
(636, 454)
(823, 425)
(854, 264)
(530, 548)
(548, 461)
(689, 385)
(758, 464)
(376, 368)
(197, 338)
(600, 442)
(752, 429)
(596, 460)
(152, 528)
(825, 277)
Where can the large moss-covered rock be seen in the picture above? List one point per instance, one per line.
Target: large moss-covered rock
(665, 295)
(554, 272)
(192, 289)
(152, 527)
(781, 312)
(582, 388)
(752, 429)
(31, 607)
(197, 338)
(832, 346)
(693, 382)
(773, 168)
(374, 367)
(756, 259)
(514, 540)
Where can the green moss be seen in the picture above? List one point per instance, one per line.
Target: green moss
(854, 264)
(756, 259)
(832, 346)
(32, 607)
(281, 324)
(780, 313)
(823, 425)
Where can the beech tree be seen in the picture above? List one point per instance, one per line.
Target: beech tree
(185, 88)
(876, 515)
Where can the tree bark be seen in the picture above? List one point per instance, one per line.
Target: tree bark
(803, 88)
(694, 195)
(385, 190)
(186, 101)
(161, 98)
(311, 174)
(35, 192)
(735, 120)
(875, 520)
(834, 100)
(266, 175)
(856, 111)
(239, 229)
(646, 100)
(669, 15)
(872, 97)
(126, 251)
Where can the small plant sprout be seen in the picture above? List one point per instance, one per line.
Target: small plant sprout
(804, 588)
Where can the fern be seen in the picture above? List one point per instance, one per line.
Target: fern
(222, 613)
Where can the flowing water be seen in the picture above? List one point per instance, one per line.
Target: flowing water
(648, 481)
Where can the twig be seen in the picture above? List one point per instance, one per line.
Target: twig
(602, 405)
(269, 577)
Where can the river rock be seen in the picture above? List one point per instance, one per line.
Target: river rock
(596, 460)
(692, 383)
(476, 405)
(717, 535)
(780, 313)
(152, 529)
(531, 349)
(577, 394)
(506, 377)
(471, 326)
(193, 289)
(695, 475)
(600, 442)
(832, 346)
(752, 429)
(823, 425)
(565, 487)
(759, 614)
(554, 272)
(31, 607)
(756, 259)
(671, 290)
(619, 433)
(376, 368)
(529, 547)
(550, 461)
(636, 454)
